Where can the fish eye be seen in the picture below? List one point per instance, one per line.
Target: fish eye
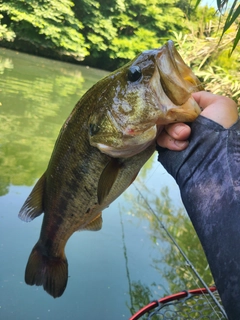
(134, 73)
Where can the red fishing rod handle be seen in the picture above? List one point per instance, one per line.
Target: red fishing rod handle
(173, 297)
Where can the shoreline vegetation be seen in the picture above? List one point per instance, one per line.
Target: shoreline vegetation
(106, 34)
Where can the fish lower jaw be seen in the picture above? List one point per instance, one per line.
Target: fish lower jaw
(126, 151)
(128, 145)
(187, 112)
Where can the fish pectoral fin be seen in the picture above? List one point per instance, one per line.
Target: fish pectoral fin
(107, 179)
(94, 225)
(33, 206)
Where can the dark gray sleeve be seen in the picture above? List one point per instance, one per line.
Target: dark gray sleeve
(208, 174)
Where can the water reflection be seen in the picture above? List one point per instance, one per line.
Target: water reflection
(169, 263)
(5, 63)
(35, 99)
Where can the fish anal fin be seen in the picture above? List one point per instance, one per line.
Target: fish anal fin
(33, 206)
(107, 179)
(94, 225)
(50, 272)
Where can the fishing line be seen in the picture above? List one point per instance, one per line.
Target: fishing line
(210, 302)
(206, 297)
(126, 263)
(181, 252)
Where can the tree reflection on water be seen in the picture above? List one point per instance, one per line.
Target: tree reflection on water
(176, 270)
(37, 95)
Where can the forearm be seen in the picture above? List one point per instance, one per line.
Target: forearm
(208, 174)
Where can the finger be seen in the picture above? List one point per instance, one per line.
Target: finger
(178, 131)
(220, 109)
(204, 98)
(166, 141)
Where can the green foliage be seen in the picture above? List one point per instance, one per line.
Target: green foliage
(111, 31)
(220, 81)
(108, 33)
(232, 14)
(5, 33)
(128, 48)
(48, 24)
(231, 18)
(117, 31)
(211, 62)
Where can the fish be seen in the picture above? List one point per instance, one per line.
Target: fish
(101, 147)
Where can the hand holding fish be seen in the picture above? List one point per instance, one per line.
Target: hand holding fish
(220, 109)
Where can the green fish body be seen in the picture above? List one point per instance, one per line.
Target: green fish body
(100, 149)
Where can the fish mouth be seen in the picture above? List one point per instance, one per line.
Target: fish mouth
(177, 79)
(178, 82)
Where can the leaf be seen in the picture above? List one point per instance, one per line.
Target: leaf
(219, 4)
(236, 93)
(236, 40)
(232, 16)
(197, 4)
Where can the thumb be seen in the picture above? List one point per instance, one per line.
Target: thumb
(220, 109)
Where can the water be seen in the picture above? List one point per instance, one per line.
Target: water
(113, 272)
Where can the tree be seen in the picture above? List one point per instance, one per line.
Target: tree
(45, 26)
(105, 33)
(117, 31)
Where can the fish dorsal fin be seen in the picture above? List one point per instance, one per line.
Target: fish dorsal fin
(107, 179)
(94, 225)
(33, 206)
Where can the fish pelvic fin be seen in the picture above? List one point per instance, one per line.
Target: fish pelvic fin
(49, 272)
(33, 206)
(94, 225)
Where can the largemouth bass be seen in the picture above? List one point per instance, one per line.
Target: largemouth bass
(100, 149)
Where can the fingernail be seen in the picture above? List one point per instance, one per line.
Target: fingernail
(178, 129)
(181, 144)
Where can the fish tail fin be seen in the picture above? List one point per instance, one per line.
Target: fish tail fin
(50, 272)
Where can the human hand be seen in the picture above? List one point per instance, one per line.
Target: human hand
(220, 109)
(207, 173)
